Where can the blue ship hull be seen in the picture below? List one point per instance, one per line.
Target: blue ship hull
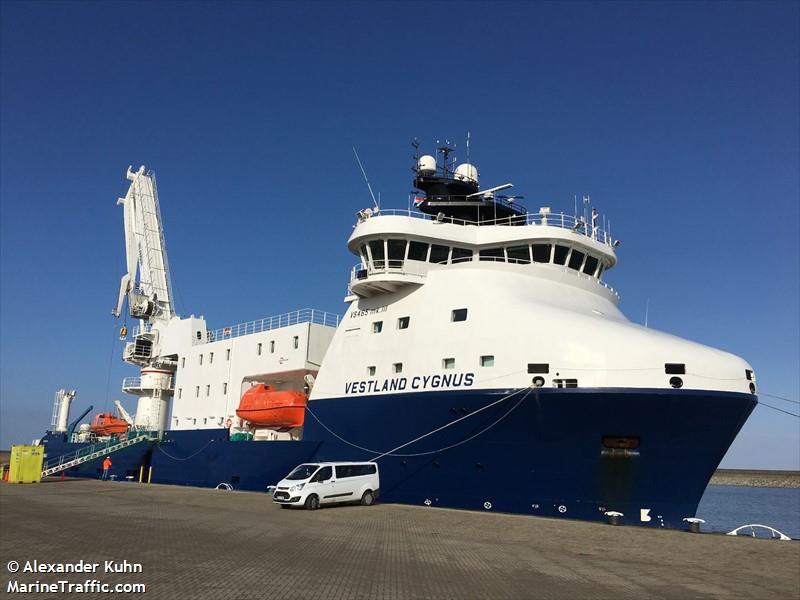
(534, 452)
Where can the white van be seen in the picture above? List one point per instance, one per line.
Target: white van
(313, 484)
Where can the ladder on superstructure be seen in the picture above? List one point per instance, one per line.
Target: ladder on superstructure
(95, 451)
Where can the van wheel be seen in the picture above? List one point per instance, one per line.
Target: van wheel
(368, 499)
(312, 502)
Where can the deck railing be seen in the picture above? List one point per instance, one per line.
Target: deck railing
(305, 315)
(560, 220)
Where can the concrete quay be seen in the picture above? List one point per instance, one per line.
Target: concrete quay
(200, 543)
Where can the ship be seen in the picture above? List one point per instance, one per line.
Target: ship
(482, 360)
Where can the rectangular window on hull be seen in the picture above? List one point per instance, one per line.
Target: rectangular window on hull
(224, 388)
(459, 314)
(397, 367)
(439, 254)
(560, 255)
(448, 363)
(378, 255)
(227, 354)
(417, 251)
(591, 265)
(377, 326)
(460, 255)
(402, 322)
(519, 254)
(210, 358)
(371, 371)
(493, 255)
(576, 260)
(538, 367)
(258, 349)
(396, 250)
(487, 361)
(541, 253)
(296, 342)
(675, 369)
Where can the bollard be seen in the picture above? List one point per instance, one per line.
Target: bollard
(693, 524)
(613, 517)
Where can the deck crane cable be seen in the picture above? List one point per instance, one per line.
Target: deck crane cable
(393, 452)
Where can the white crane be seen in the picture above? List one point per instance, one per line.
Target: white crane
(146, 285)
(149, 296)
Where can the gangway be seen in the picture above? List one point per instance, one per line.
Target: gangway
(95, 451)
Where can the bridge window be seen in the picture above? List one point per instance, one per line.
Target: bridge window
(378, 253)
(576, 259)
(439, 254)
(541, 252)
(600, 269)
(397, 252)
(591, 265)
(560, 255)
(377, 326)
(448, 363)
(493, 254)
(402, 322)
(417, 251)
(459, 314)
(487, 361)
(460, 255)
(519, 254)
(397, 367)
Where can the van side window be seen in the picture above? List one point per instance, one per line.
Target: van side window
(323, 474)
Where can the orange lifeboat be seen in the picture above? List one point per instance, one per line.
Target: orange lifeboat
(108, 424)
(264, 406)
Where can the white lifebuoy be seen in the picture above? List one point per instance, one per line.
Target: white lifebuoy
(228, 423)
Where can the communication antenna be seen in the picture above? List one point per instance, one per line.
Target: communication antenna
(468, 146)
(646, 311)
(364, 173)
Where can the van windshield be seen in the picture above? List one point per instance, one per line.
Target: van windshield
(302, 472)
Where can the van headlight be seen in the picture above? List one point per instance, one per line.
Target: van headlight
(297, 488)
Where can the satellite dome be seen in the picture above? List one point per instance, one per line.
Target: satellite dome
(426, 165)
(467, 172)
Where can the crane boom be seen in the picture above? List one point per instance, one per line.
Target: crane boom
(149, 295)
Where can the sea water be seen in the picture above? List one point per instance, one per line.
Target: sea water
(726, 507)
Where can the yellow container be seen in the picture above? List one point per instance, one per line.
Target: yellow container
(26, 464)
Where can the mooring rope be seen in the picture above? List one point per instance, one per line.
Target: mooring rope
(381, 454)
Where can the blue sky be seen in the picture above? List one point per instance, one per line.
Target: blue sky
(680, 119)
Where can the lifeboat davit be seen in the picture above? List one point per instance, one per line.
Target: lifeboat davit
(108, 424)
(264, 406)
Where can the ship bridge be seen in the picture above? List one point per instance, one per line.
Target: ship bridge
(399, 248)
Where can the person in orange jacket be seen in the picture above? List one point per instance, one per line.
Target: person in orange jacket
(106, 467)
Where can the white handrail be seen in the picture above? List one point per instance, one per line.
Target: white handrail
(560, 220)
(304, 315)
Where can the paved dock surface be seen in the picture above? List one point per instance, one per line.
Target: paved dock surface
(198, 543)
